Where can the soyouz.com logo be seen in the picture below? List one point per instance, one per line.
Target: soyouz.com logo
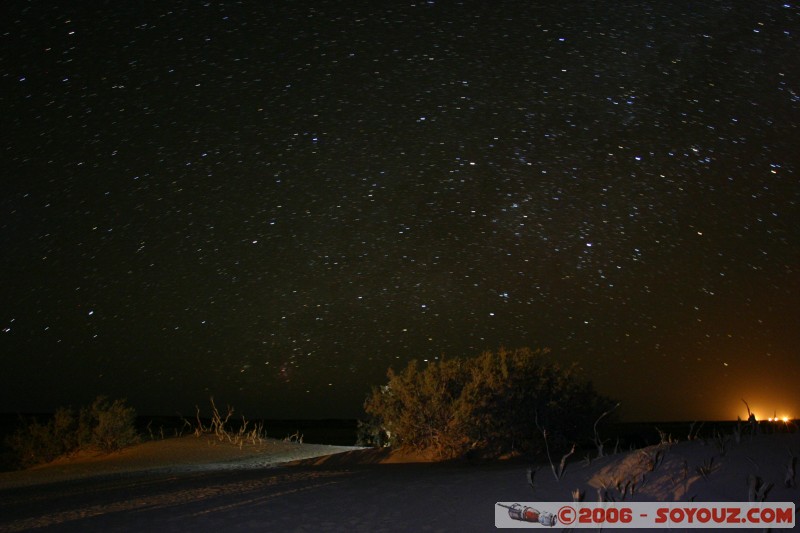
(655, 515)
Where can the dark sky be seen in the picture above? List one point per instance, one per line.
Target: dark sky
(273, 202)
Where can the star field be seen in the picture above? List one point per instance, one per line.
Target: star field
(273, 202)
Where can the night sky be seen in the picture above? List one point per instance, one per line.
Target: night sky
(273, 202)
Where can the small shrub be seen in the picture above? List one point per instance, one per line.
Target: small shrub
(490, 402)
(111, 424)
(40, 442)
(370, 433)
(220, 429)
(104, 425)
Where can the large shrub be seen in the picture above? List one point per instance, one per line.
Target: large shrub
(495, 402)
(104, 425)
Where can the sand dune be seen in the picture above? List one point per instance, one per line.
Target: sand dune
(200, 484)
(182, 454)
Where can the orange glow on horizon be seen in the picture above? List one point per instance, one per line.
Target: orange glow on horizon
(763, 409)
(773, 418)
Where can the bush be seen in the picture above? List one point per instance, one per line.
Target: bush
(104, 425)
(40, 442)
(491, 402)
(370, 433)
(110, 424)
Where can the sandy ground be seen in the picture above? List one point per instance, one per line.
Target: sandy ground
(191, 484)
(183, 454)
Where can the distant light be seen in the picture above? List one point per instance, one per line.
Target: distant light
(784, 419)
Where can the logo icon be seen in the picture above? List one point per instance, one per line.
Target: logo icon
(528, 514)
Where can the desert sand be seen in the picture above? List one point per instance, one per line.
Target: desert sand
(202, 484)
(173, 455)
